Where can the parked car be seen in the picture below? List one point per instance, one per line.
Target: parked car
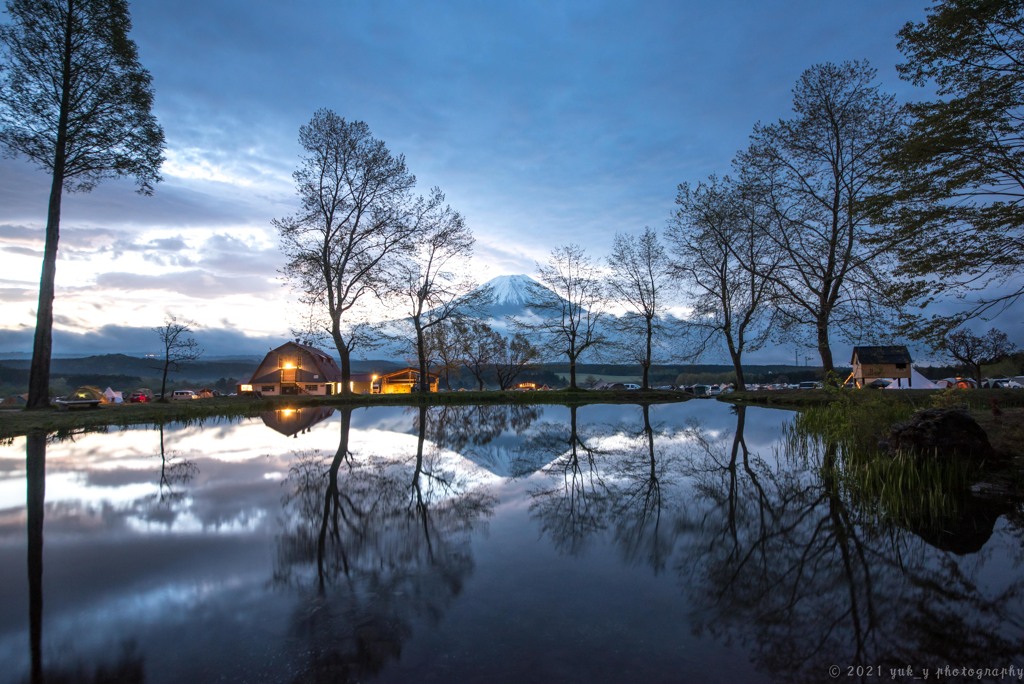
(630, 386)
(142, 395)
(183, 395)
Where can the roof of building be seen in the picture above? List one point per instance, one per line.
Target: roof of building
(896, 353)
(324, 365)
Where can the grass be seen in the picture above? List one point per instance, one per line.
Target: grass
(15, 422)
(902, 488)
(874, 411)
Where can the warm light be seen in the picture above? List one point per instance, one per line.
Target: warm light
(287, 413)
(245, 388)
(288, 365)
(374, 378)
(351, 386)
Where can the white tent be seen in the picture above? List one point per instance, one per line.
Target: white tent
(113, 397)
(917, 381)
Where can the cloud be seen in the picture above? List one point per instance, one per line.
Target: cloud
(18, 294)
(192, 283)
(131, 340)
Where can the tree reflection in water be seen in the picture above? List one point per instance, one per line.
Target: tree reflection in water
(626, 485)
(576, 506)
(376, 543)
(781, 561)
(129, 665)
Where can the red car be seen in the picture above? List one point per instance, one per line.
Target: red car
(141, 396)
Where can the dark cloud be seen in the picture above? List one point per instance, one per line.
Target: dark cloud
(18, 294)
(24, 251)
(192, 283)
(111, 339)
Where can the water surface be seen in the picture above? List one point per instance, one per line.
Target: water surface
(681, 542)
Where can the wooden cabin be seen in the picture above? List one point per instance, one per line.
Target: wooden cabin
(293, 369)
(401, 381)
(888, 362)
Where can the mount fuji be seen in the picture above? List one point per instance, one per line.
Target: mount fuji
(511, 295)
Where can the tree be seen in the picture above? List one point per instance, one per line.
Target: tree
(481, 348)
(178, 347)
(569, 305)
(975, 351)
(725, 257)
(356, 216)
(516, 356)
(639, 276)
(959, 210)
(432, 279)
(75, 101)
(817, 173)
(443, 339)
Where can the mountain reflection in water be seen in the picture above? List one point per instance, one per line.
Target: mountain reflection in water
(601, 543)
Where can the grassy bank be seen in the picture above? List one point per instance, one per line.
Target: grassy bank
(14, 422)
(999, 411)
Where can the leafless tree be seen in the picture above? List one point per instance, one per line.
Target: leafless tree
(974, 351)
(639, 277)
(517, 354)
(724, 256)
(817, 172)
(481, 347)
(433, 280)
(570, 305)
(444, 340)
(178, 347)
(356, 215)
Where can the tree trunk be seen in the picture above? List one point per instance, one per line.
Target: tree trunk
(421, 358)
(647, 358)
(42, 347)
(163, 381)
(824, 349)
(346, 360)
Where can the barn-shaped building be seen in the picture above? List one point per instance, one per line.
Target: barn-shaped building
(295, 368)
(882, 362)
(290, 422)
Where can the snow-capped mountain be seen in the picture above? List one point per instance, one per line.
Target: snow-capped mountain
(511, 295)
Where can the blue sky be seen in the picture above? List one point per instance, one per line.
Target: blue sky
(545, 123)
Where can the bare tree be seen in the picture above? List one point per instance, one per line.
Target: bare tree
(724, 256)
(178, 347)
(444, 340)
(570, 305)
(974, 351)
(639, 276)
(75, 101)
(817, 172)
(516, 356)
(481, 348)
(433, 280)
(355, 217)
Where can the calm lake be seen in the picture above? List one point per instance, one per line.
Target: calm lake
(679, 542)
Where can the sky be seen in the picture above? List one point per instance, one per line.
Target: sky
(545, 123)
